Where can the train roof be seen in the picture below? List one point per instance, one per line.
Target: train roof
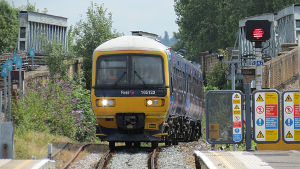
(131, 43)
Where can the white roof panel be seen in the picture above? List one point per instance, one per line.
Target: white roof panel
(131, 43)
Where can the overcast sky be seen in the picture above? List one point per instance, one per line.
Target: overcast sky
(155, 16)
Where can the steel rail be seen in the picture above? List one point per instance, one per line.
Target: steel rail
(104, 160)
(81, 148)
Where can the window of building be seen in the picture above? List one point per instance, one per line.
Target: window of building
(297, 23)
(22, 32)
(22, 45)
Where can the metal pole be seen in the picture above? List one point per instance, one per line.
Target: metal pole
(9, 96)
(248, 118)
(5, 98)
(2, 119)
(32, 63)
(20, 84)
(258, 70)
(232, 76)
(233, 86)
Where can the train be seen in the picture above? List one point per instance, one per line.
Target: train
(143, 91)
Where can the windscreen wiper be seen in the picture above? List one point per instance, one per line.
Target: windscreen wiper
(138, 75)
(120, 78)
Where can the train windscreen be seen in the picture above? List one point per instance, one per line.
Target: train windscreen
(130, 70)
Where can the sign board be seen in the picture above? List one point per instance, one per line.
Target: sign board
(9, 64)
(291, 116)
(237, 117)
(214, 131)
(224, 116)
(258, 62)
(266, 116)
(32, 53)
(4, 71)
(15, 57)
(19, 63)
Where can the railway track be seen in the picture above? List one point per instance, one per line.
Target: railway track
(129, 158)
(133, 157)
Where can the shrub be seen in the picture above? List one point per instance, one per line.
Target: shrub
(56, 106)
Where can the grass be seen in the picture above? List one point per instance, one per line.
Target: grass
(34, 144)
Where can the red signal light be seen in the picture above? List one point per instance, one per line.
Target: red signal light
(258, 33)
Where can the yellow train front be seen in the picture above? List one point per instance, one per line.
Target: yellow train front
(132, 77)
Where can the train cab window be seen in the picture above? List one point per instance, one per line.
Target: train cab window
(147, 70)
(112, 70)
(129, 70)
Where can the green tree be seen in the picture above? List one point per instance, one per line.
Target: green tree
(8, 27)
(217, 76)
(56, 58)
(89, 34)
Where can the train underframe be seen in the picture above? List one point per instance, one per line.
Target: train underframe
(175, 129)
(181, 129)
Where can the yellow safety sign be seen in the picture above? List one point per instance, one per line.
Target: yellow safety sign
(236, 96)
(214, 131)
(236, 107)
(260, 135)
(260, 99)
(288, 99)
(289, 135)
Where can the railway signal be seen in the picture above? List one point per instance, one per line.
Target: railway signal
(258, 30)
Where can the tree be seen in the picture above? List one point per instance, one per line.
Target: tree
(56, 58)
(213, 24)
(92, 32)
(8, 27)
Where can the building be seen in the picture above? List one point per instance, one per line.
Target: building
(36, 28)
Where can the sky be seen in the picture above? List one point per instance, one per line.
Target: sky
(155, 16)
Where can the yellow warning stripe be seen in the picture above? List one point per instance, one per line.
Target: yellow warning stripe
(23, 164)
(218, 155)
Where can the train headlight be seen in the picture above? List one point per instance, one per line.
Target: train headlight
(155, 102)
(105, 102)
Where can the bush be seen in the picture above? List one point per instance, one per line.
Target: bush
(56, 106)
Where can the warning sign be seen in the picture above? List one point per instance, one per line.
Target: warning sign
(288, 99)
(291, 116)
(289, 135)
(266, 116)
(214, 131)
(260, 99)
(289, 110)
(260, 135)
(236, 96)
(236, 107)
(260, 110)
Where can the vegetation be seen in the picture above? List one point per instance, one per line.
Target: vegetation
(89, 34)
(8, 27)
(56, 58)
(55, 106)
(34, 144)
(212, 24)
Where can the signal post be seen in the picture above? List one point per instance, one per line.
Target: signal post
(258, 31)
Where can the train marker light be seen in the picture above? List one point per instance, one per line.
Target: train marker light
(149, 102)
(105, 102)
(155, 102)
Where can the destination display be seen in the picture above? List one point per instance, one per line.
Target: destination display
(266, 116)
(291, 116)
